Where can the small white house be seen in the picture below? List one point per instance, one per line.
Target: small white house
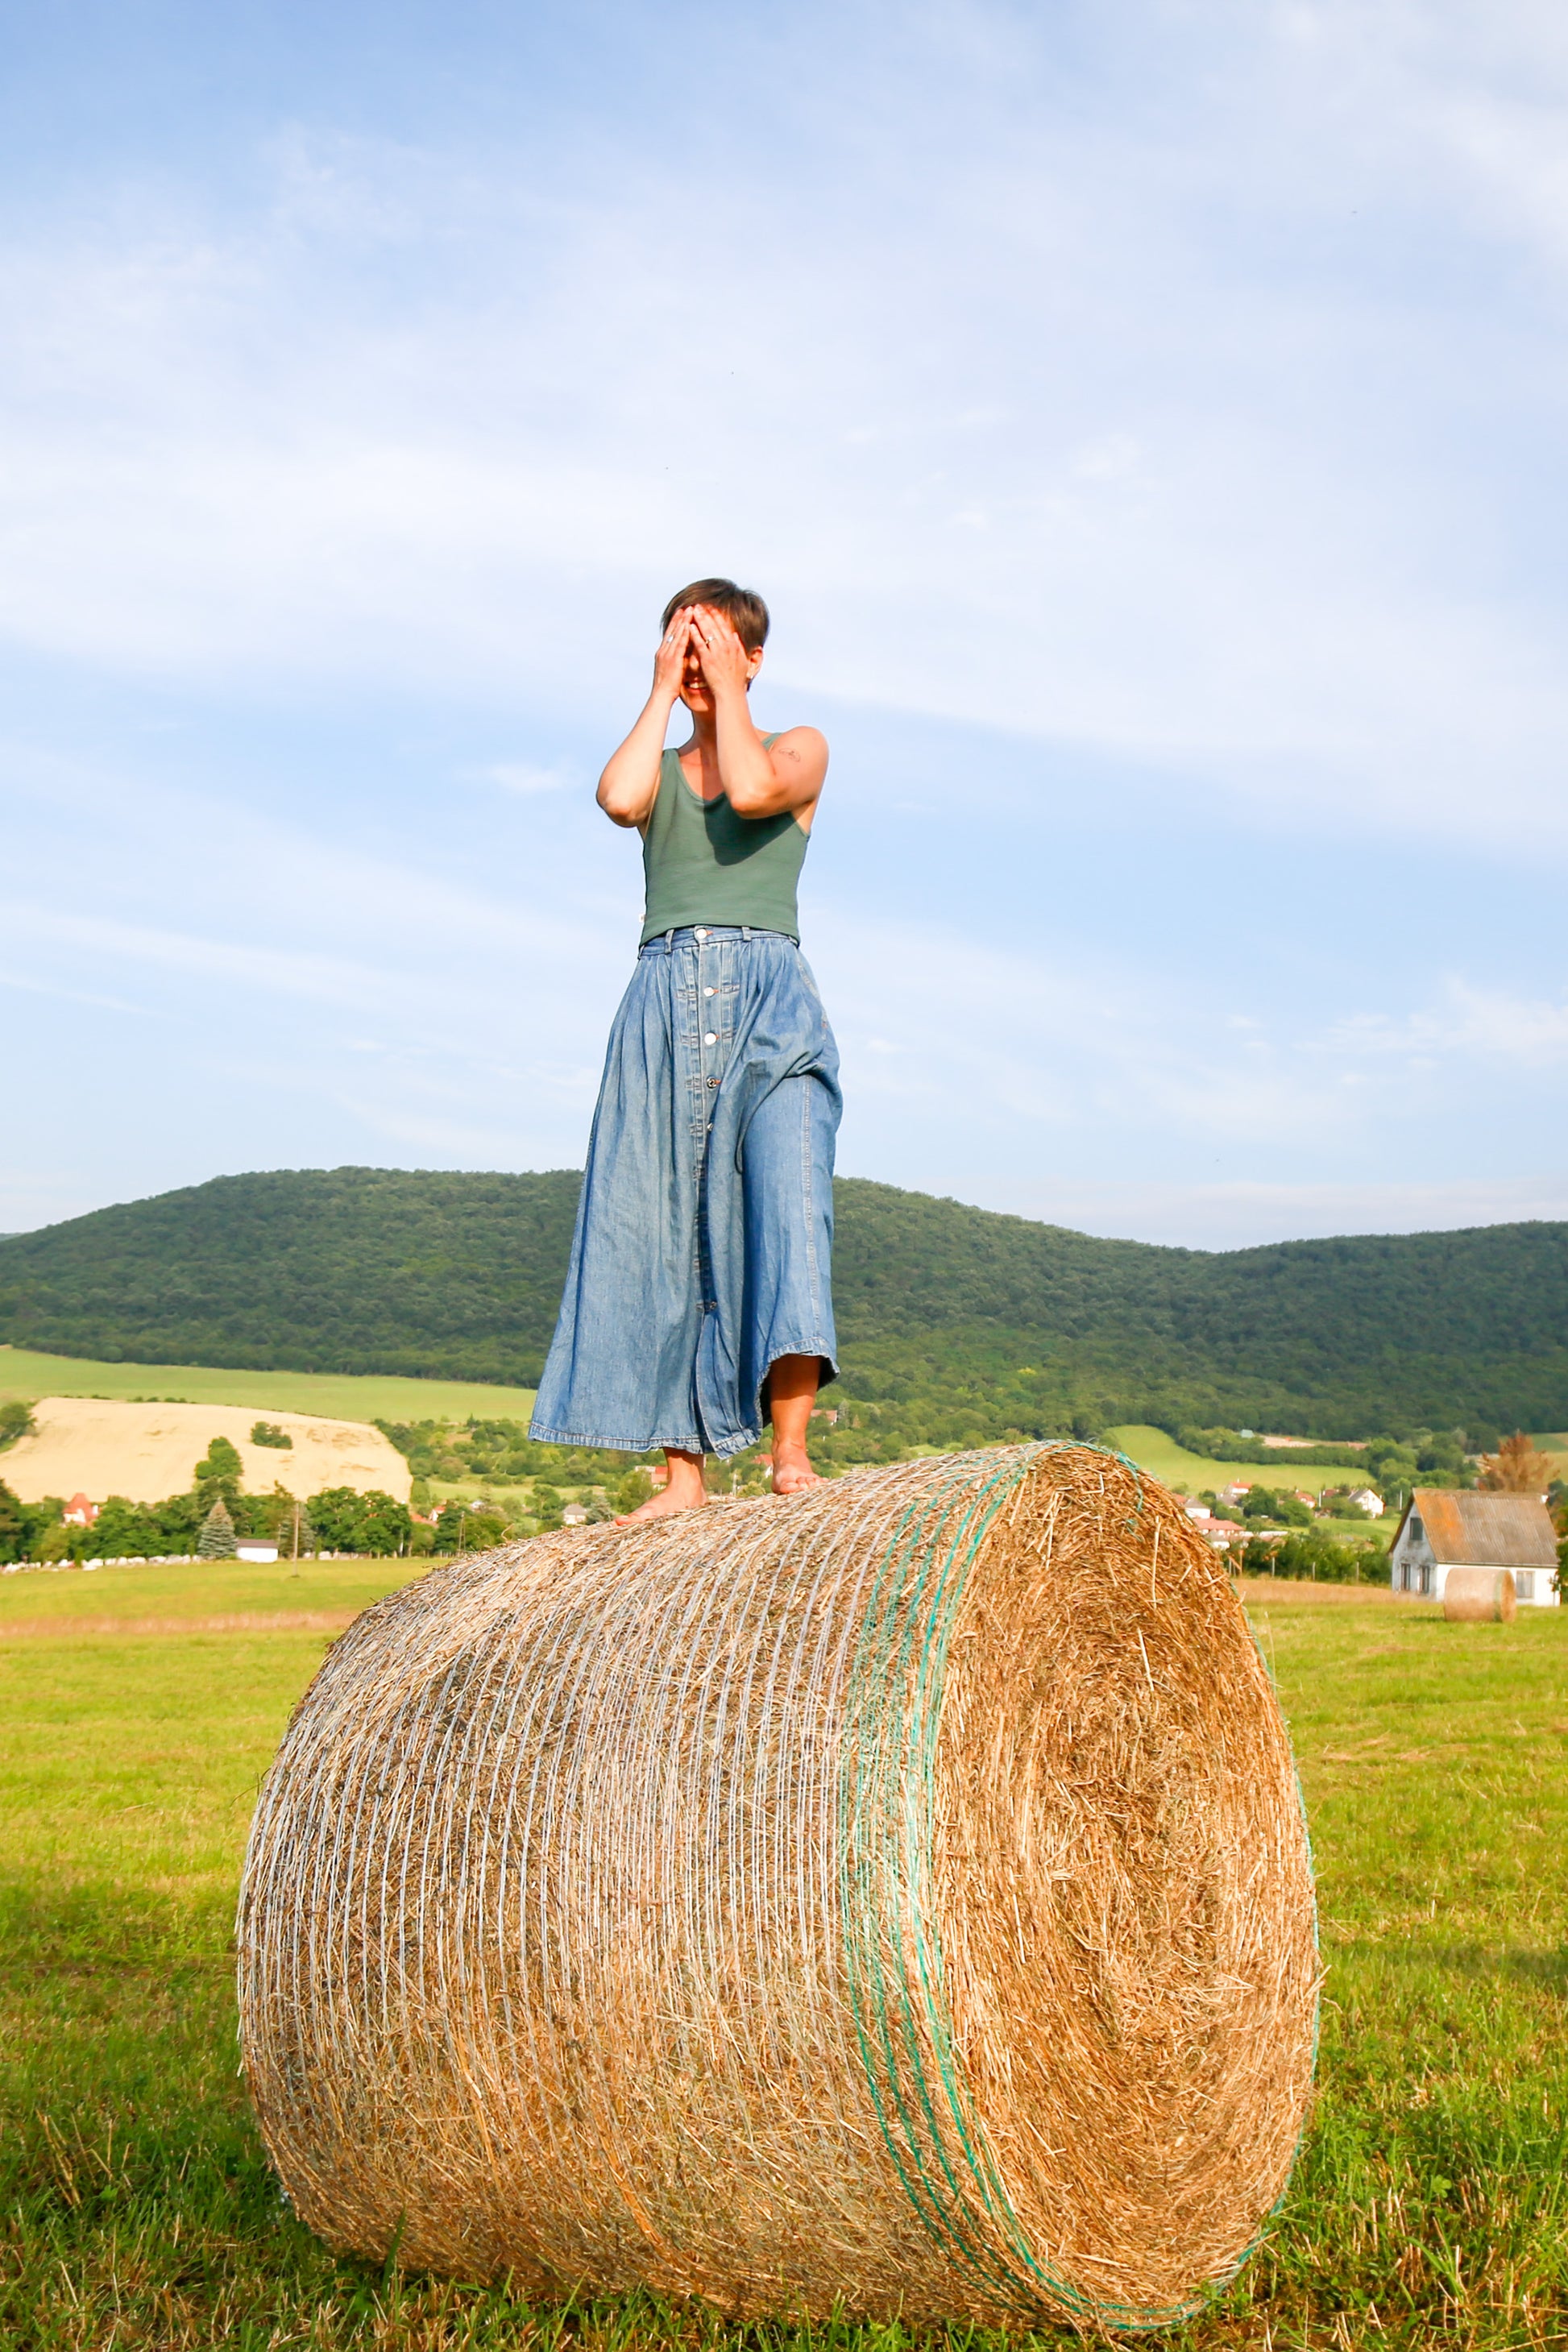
(257, 1548)
(1443, 1528)
(1371, 1501)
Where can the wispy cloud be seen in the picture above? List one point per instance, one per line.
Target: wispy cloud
(1484, 1024)
(1215, 504)
(519, 776)
(30, 985)
(324, 980)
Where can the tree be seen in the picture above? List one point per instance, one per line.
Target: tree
(217, 1479)
(15, 1421)
(1518, 1467)
(460, 1528)
(15, 1526)
(634, 1489)
(1284, 1509)
(385, 1525)
(125, 1530)
(267, 1432)
(216, 1538)
(291, 1525)
(337, 1514)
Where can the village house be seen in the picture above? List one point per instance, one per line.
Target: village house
(1443, 1529)
(79, 1512)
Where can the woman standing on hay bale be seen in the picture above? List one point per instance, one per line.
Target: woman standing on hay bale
(698, 1301)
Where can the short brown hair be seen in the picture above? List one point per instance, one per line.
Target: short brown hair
(743, 607)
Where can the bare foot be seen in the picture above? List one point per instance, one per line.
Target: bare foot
(792, 1472)
(682, 1492)
(661, 1506)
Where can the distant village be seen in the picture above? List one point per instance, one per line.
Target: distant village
(1512, 1521)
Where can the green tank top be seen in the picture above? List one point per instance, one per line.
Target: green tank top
(703, 864)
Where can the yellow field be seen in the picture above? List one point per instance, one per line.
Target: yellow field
(102, 1446)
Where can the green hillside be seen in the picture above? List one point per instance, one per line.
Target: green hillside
(337, 1396)
(973, 1323)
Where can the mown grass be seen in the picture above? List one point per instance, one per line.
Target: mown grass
(337, 1396)
(134, 1590)
(1157, 1451)
(1428, 2207)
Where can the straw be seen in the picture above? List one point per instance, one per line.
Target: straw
(894, 1899)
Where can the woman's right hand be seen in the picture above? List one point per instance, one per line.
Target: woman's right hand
(669, 662)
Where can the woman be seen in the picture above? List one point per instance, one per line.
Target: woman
(698, 1302)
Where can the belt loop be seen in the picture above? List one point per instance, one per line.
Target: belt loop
(670, 942)
(746, 933)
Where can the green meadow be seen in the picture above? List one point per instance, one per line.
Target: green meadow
(1429, 2207)
(1192, 1473)
(337, 1396)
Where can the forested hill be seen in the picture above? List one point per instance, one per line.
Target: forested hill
(364, 1269)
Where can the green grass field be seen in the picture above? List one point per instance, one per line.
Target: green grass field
(338, 1396)
(1154, 1451)
(1429, 2207)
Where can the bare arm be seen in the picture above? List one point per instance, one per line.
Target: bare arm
(758, 779)
(629, 785)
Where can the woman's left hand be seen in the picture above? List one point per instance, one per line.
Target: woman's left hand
(724, 659)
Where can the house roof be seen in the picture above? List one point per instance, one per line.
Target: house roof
(1484, 1530)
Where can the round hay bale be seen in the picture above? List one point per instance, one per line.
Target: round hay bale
(896, 1897)
(1479, 1596)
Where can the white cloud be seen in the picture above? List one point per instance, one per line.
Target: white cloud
(324, 980)
(1486, 1025)
(1064, 401)
(948, 1039)
(519, 776)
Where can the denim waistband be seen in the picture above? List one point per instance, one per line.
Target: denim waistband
(699, 934)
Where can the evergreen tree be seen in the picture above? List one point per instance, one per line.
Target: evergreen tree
(216, 1542)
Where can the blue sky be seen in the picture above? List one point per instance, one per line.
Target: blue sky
(1146, 421)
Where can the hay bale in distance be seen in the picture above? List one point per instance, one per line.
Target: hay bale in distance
(1479, 1596)
(898, 1896)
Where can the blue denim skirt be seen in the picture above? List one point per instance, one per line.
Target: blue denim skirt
(703, 1248)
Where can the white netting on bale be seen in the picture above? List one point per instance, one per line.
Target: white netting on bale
(895, 1897)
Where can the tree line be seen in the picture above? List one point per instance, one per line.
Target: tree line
(207, 1521)
(960, 1317)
